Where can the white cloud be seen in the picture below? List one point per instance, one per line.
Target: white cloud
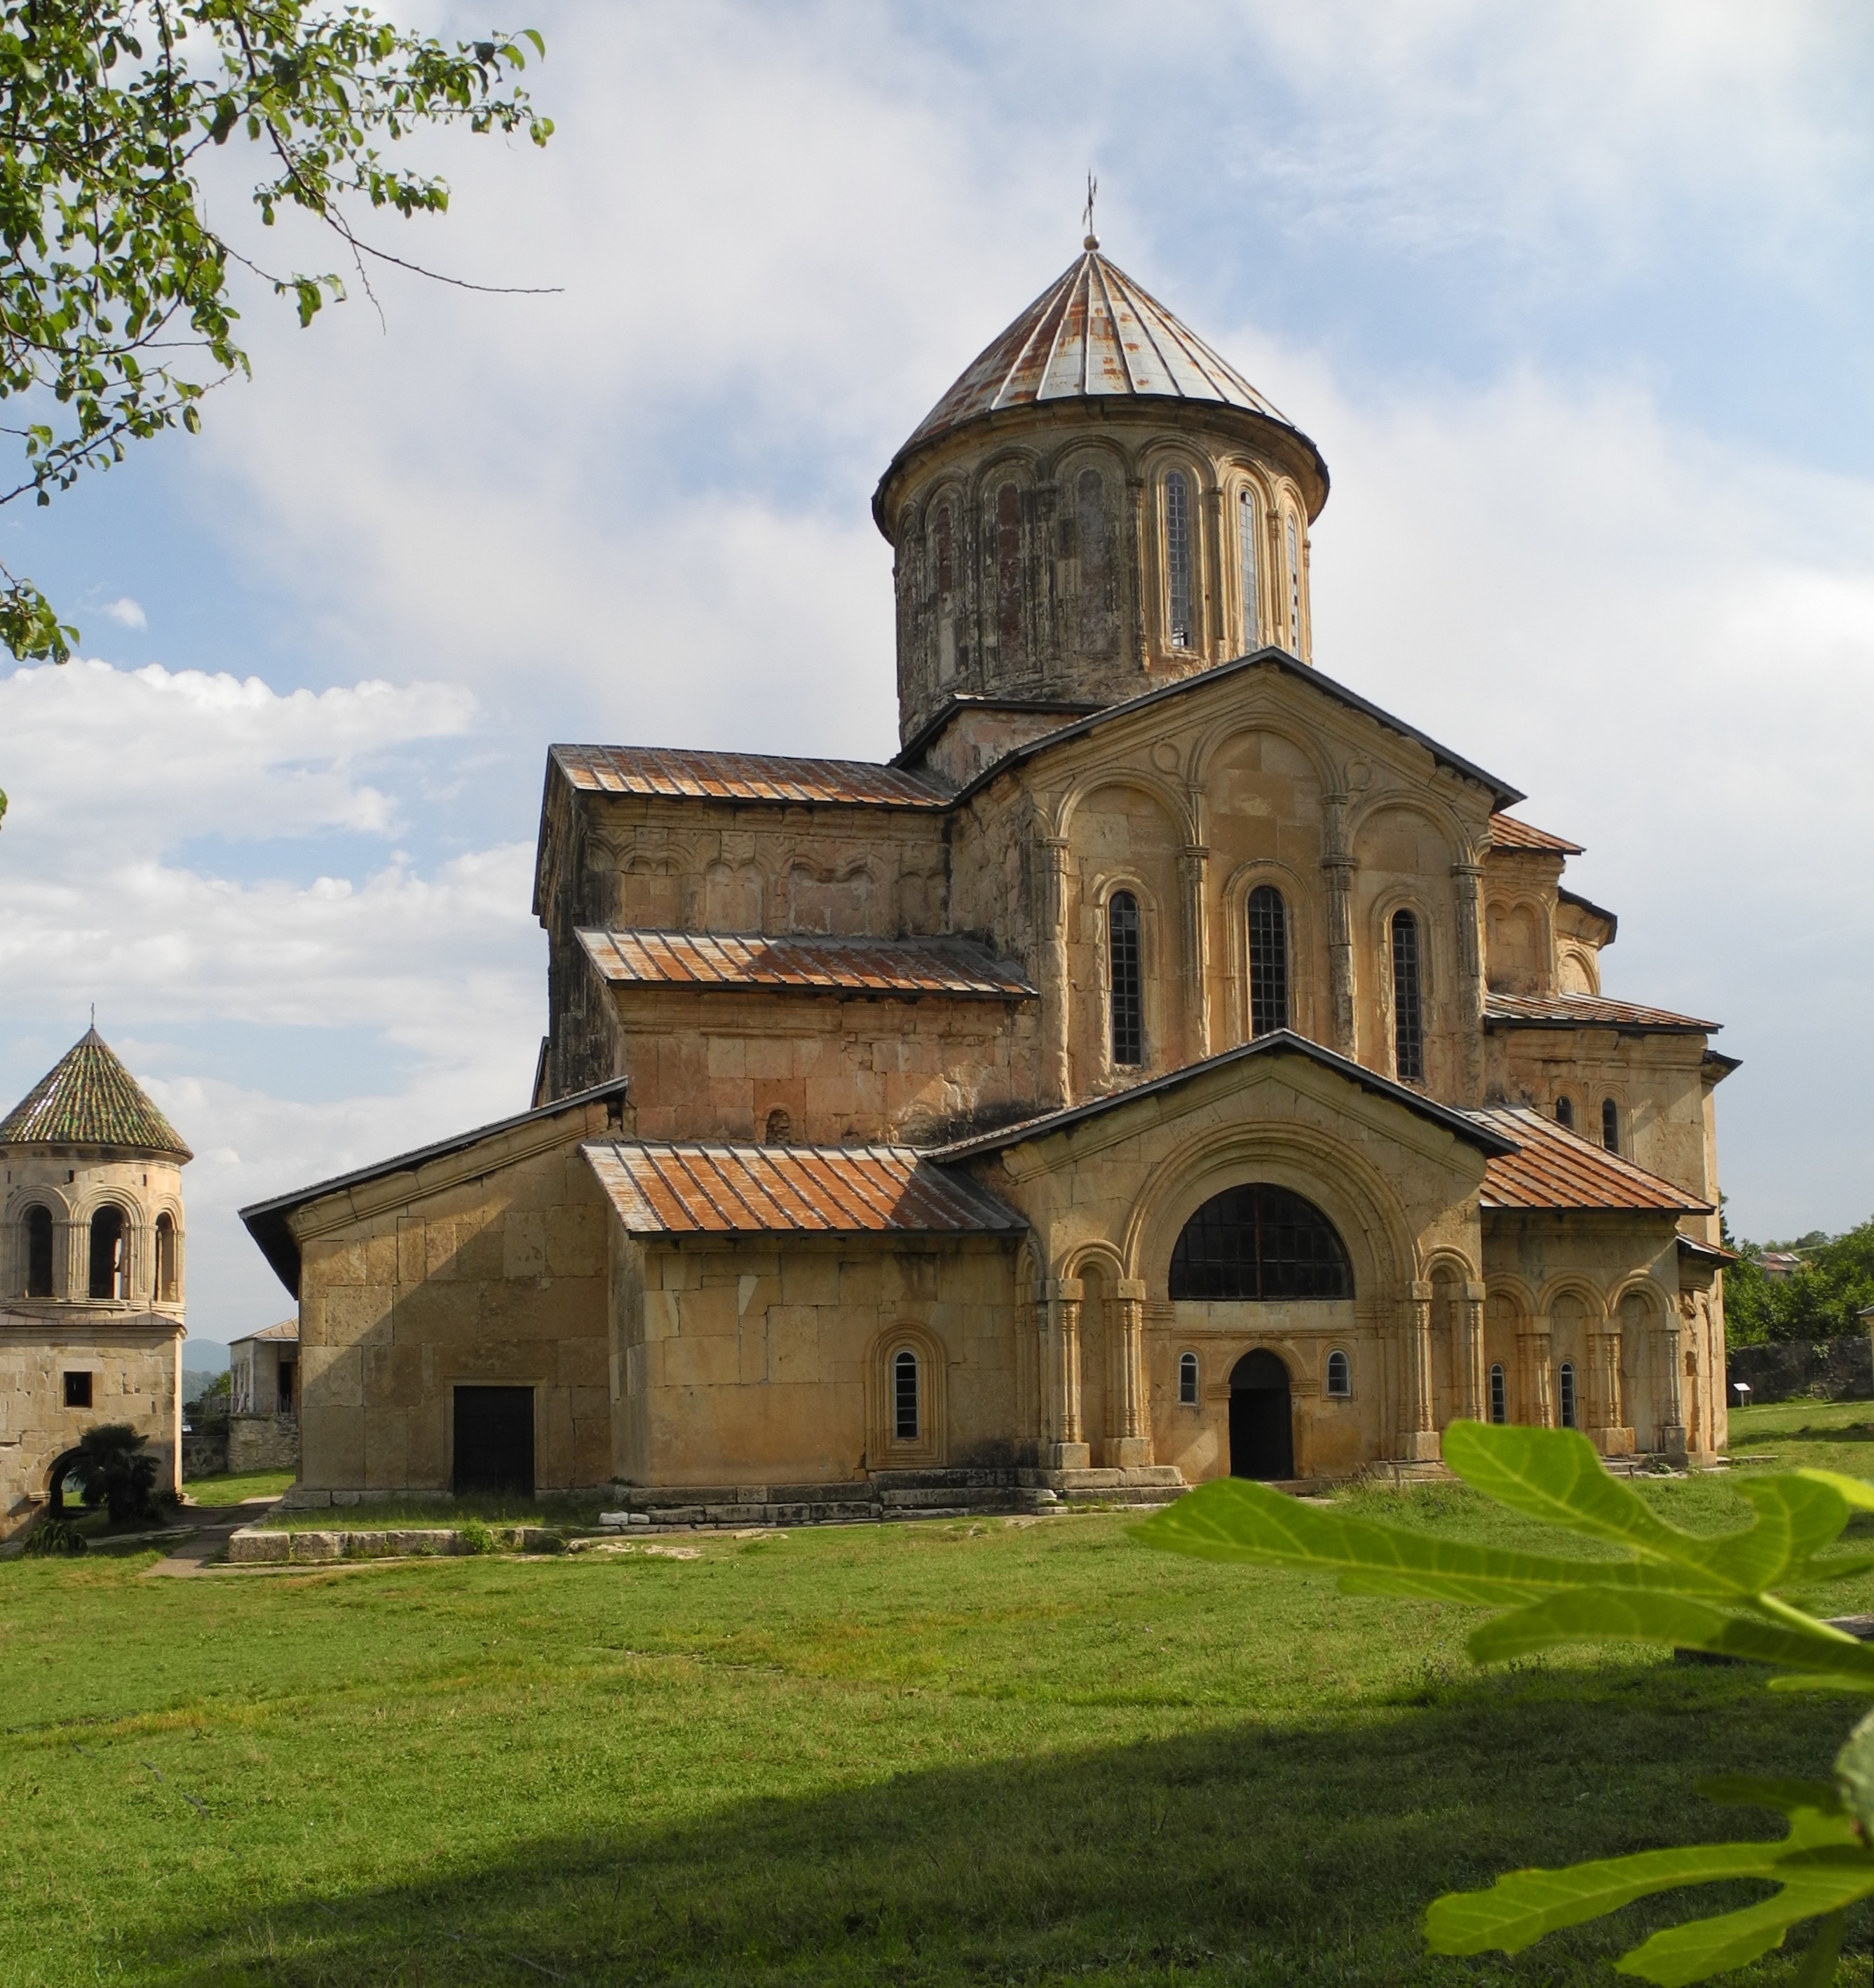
(127, 613)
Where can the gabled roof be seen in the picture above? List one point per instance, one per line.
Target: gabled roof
(267, 1221)
(729, 961)
(1554, 1169)
(720, 1189)
(1611, 919)
(1588, 1011)
(1506, 832)
(1280, 1042)
(664, 772)
(286, 1331)
(88, 1098)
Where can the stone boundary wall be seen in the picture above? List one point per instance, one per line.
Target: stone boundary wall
(262, 1442)
(254, 1545)
(1830, 1369)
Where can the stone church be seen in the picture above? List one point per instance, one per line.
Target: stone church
(1168, 1063)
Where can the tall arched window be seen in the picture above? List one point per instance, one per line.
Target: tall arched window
(39, 1251)
(1499, 1396)
(1187, 1380)
(1180, 627)
(904, 1396)
(1567, 1392)
(107, 1253)
(1008, 571)
(1610, 1125)
(943, 560)
(1408, 1000)
(165, 1289)
(1126, 982)
(1340, 1376)
(1565, 1113)
(1260, 1242)
(1247, 566)
(1295, 585)
(1268, 960)
(1098, 618)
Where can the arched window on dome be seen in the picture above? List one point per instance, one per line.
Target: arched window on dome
(166, 1287)
(1098, 610)
(1180, 627)
(109, 1253)
(39, 1230)
(1008, 603)
(1268, 960)
(1125, 980)
(1408, 1000)
(1295, 585)
(1248, 569)
(1260, 1242)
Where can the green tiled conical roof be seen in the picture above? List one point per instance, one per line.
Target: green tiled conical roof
(88, 1098)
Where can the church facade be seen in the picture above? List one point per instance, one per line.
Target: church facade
(1168, 1063)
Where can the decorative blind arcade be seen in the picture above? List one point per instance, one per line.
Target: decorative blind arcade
(1260, 1242)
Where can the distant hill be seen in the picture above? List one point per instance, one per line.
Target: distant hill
(209, 1356)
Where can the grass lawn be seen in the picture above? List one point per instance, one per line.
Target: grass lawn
(236, 1490)
(950, 1753)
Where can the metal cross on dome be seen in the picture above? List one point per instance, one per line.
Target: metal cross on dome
(1092, 192)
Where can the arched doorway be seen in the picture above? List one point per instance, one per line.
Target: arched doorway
(1261, 1427)
(63, 1468)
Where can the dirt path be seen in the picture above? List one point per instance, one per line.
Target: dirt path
(191, 1555)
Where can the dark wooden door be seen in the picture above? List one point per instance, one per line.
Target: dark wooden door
(1261, 1424)
(494, 1440)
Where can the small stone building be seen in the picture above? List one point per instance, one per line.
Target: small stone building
(263, 1404)
(92, 1270)
(1168, 1063)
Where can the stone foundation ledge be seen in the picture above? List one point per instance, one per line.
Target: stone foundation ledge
(254, 1545)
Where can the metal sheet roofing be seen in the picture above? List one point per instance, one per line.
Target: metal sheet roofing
(664, 772)
(1555, 1169)
(287, 1329)
(1092, 334)
(733, 960)
(707, 1189)
(1586, 1011)
(1506, 832)
(88, 1098)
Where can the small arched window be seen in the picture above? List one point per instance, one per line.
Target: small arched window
(1126, 982)
(1098, 621)
(1246, 565)
(1567, 1391)
(905, 1405)
(107, 1253)
(1187, 1380)
(1408, 1000)
(1008, 571)
(1340, 1376)
(1181, 626)
(1268, 960)
(1610, 1124)
(1499, 1396)
(39, 1251)
(165, 1289)
(1565, 1113)
(780, 1128)
(1260, 1242)
(1295, 585)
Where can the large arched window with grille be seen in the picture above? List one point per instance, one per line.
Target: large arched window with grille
(109, 1253)
(1125, 980)
(1408, 1000)
(1247, 570)
(1268, 960)
(1179, 563)
(1260, 1242)
(39, 1251)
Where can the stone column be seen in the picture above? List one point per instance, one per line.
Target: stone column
(1193, 861)
(1130, 1414)
(1466, 893)
(1066, 1444)
(1339, 866)
(1607, 1429)
(1418, 1439)
(1056, 994)
(1474, 1377)
(1672, 1440)
(1536, 1347)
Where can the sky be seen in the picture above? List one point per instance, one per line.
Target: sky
(1577, 301)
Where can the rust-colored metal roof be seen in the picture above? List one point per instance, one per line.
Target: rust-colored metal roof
(707, 1189)
(1092, 334)
(1506, 832)
(665, 773)
(733, 960)
(1557, 1169)
(1587, 1011)
(88, 1098)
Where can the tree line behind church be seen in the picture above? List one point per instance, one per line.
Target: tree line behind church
(1821, 1299)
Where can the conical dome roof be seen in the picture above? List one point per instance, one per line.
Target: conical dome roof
(88, 1098)
(1095, 334)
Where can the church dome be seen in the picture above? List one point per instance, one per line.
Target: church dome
(88, 1098)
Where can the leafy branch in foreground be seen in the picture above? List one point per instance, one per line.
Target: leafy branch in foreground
(1719, 1594)
(115, 317)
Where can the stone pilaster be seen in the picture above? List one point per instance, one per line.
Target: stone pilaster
(1672, 1437)
(1339, 866)
(1536, 1347)
(1473, 1376)
(1607, 1430)
(1418, 1437)
(1466, 895)
(1056, 995)
(1192, 865)
(1128, 1415)
(1065, 1443)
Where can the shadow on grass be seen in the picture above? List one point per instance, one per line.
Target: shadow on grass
(1293, 1856)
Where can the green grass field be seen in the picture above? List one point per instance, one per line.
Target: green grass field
(231, 1490)
(950, 1753)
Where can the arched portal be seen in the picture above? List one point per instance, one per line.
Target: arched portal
(1261, 1426)
(61, 1469)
